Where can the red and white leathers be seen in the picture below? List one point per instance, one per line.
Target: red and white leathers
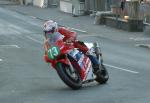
(68, 36)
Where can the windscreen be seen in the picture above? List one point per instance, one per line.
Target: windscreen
(53, 38)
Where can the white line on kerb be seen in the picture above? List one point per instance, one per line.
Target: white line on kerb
(127, 70)
(35, 40)
(1, 60)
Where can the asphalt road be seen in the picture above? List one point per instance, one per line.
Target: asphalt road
(25, 78)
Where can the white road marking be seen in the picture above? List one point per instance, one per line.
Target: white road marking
(33, 17)
(79, 30)
(140, 39)
(83, 36)
(119, 68)
(35, 40)
(1, 60)
(9, 46)
(18, 28)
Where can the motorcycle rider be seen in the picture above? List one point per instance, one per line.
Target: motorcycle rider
(51, 29)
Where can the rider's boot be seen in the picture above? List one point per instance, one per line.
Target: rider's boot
(96, 68)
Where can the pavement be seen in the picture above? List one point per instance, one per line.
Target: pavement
(81, 24)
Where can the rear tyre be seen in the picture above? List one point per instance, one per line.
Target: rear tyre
(71, 79)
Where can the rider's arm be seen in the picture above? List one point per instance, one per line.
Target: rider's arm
(72, 35)
(67, 33)
(82, 47)
(46, 45)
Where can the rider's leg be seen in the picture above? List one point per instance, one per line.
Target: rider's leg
(95, 62)
(82, 47)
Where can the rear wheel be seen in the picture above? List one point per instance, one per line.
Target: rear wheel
(68, 76)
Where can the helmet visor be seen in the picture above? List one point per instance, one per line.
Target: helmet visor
(48, 34)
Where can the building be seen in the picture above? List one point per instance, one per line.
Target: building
(76, 7)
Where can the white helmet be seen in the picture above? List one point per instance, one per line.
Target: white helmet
(50, 26)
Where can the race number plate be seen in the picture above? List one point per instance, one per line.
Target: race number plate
(53, 52)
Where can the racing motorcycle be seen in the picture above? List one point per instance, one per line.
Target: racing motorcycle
(74, 67)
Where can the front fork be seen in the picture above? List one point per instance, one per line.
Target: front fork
(98, 52)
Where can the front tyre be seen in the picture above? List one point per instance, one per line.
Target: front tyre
(102, 75)
(71, 79)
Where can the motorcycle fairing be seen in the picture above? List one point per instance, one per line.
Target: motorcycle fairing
(84, 63)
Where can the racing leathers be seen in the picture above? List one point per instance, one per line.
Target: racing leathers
(70, 36)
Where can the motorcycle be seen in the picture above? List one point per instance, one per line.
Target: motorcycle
(74, 67)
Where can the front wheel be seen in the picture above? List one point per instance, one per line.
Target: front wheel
(69, 77)
(102, 75)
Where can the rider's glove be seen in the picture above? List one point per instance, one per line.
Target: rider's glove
(70, 40)
(89, 52)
